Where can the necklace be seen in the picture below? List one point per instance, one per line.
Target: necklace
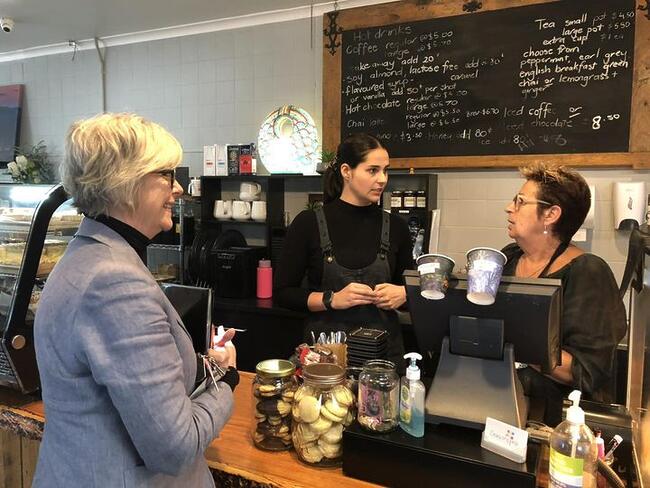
(527, 274)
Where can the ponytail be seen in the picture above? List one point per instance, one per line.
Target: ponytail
(332, 182)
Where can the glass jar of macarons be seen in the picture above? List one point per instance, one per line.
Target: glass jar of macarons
(322, 408)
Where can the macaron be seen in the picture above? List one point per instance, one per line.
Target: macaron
(309, 409)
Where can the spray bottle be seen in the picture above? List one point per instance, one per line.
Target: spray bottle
(411, 409)
(573, 450)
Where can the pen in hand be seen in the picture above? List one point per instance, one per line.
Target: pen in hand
(613, 444)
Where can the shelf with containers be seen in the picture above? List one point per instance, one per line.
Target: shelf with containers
(413, 196)
(270, 232)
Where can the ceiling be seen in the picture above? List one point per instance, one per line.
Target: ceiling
(49, 22)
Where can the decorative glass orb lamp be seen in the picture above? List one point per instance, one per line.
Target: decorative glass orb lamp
(288, 141)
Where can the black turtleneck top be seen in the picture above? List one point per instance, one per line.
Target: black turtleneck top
(136, 239)
(355, 233)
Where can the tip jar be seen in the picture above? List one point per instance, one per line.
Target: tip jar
(274, 387)
(323, 407)
(378, 396)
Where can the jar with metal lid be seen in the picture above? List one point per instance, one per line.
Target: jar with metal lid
(421, 199)
(409, 199)
(274, 387)
(323, 407)
(378, 396)
(396, 199)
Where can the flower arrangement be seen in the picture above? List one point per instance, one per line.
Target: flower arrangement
(31, 165)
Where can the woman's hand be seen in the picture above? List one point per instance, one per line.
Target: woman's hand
(224, 351)
(352, 295)
(389, 296)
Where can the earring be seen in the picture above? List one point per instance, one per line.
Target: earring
(545, 230)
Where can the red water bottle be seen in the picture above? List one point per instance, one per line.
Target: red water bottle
(264, 279)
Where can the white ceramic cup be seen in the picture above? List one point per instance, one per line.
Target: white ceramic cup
(258, 210)
(222, 209)
(241, 210)
(194, 188)
(249, 191)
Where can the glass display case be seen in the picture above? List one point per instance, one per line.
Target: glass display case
(166, 254)
(36, 224)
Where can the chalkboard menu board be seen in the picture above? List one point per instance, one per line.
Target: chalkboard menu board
(540, 79)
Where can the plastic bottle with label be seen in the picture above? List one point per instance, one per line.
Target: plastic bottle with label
(573, 450)
(411, 406)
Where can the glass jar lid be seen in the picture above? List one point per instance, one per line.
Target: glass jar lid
(275, 368)
(379, 364)
(323, 374)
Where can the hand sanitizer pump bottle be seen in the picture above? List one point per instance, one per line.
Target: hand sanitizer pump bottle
(573, 450)
(411, 407)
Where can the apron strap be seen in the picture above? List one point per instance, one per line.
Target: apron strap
(325, 242)
(385, 233)
(560, 249)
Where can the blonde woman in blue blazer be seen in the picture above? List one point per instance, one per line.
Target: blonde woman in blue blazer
(117, 364)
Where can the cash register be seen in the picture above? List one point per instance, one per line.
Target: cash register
(471, 349)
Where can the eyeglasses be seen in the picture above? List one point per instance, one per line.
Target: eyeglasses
(519, 202)
(169, 174)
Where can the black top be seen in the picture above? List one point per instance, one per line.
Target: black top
(136, 239)
(593, 320)
(356, 235)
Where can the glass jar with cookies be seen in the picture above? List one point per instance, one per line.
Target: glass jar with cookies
(322, 408)
(274, 387)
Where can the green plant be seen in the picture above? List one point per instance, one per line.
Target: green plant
(328, 156)
(31, 165)
(313, 205)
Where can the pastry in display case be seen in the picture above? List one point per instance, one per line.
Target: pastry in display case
(36, 224)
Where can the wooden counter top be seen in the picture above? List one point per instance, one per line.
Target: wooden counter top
(233, 458)
(234, 453)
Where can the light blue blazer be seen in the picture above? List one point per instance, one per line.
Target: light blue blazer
(116, 366)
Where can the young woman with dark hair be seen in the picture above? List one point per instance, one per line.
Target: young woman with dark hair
(352, 253)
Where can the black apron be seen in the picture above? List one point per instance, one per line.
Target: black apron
(337, 277)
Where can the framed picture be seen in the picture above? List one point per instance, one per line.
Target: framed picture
(11, 101)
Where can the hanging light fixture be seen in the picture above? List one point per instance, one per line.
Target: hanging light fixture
(288, 141)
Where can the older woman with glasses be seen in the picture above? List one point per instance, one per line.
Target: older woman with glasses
(542, 218)
(118, 369)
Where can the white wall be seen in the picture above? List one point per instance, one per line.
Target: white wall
(472, 207)
(218, 87)
(205, 89)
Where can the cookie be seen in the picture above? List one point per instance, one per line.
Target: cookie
(343, 396)
(275, 420)
(325, 412)
(303, 392)
(321, 425)
(312, 454)
(284, 408)
(349, 418)
(336, 409)
(309, 409)
(330, 451)
(287, 396)
(334, 434)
